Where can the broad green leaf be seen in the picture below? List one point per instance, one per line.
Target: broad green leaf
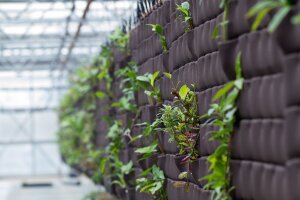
(296, 19)
(223, 91)
(183, 91)
(278, 18)
(102, 74)
(153, 78)
(168, 75)
(100, 94)
(126, 169)
(149, 149)
(143, 79)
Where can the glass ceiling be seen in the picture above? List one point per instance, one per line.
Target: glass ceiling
(41, 42)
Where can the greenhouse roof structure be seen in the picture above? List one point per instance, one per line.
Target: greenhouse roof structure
(41, 43)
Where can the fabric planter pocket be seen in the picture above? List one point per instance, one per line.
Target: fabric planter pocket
(209, 72)
(187, 74)
(181, 165)
(148, 113)
(262, 97)
(148, 162)
(205, 99)
(164, 13)
(142, 196)
(133, 156)
(260, 55)
(178, 28)
(254, 180)
(187, 47)
(130, 194)
(157, 48)
(121, 192)
(166, 163)
(238, 23)
(107, 182)
(168, 34)
(133, 38)
(203, 43)
(179, 193)
(146, 67)
(164, 141)
(261, 140)
(287, 34)
(162, 63)
(124, 155)
(292, 131)
(166, 88)
(205, 146)
(292, 78)
(293, 181)
(204, 10)
(199, 169)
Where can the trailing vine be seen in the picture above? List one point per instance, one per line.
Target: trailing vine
(222, 115)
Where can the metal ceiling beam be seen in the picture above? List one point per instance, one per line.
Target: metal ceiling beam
(64, 63)
(11, 89)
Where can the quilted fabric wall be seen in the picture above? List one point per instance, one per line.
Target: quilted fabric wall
(265, 145)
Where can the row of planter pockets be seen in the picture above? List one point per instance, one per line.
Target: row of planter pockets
(252, 179)
(261, 97)
(183, 46)
(200, 12)
(266, 135)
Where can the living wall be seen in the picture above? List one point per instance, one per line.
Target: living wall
(191, 100)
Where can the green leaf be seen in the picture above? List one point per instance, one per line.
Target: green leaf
(183, 91)
(153, 78)
(126, 169)
(296, 19)
(238, 66)
(183, 175)
(100, 94)
(149, 149)
(215, 32)
(259, 18)
(143, 79)
(278, 18)
(258, 7)
(102, 74)
(168, 75)
(223, 91)
(185, 5)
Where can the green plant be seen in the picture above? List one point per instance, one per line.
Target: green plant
(153, 185)
(222, 115)
(222, 26)
(120, 170)
(262, 8)
(128, 85)
(185, 15)
(181, 121)
(104, 62)
(158, 29)
(147, 83)
(296, 19)
(120, 40)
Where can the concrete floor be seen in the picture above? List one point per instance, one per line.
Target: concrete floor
(11, 189)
